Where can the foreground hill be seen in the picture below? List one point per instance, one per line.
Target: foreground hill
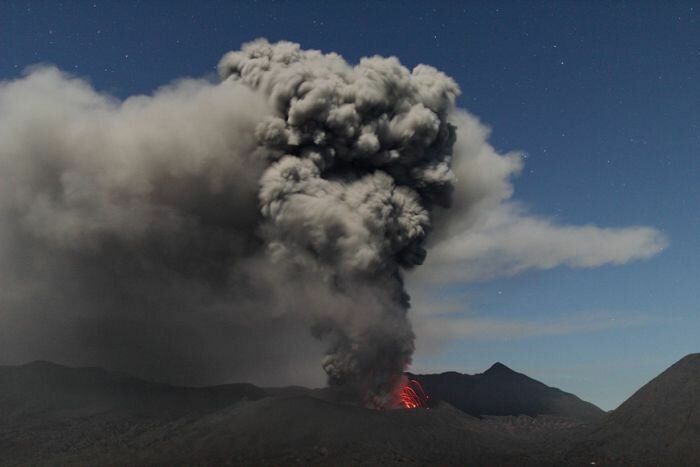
(658, 425)
(55, 415)
(502, 391)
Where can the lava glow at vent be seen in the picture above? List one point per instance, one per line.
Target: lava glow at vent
(412, 395)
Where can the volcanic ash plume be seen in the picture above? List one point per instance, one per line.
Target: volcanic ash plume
(298, 186)
(358, 157)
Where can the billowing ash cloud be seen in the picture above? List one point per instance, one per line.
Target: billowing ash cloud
(358, 157)
(249, 228)
(143, 232)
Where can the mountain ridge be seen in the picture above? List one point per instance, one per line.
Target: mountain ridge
(53, 414)
(502, 391)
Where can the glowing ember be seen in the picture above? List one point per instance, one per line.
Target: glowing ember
(412, 395)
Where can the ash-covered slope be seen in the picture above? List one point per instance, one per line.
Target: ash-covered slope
(502, 391)
(658, 425)
(55, 415)
(304, 430)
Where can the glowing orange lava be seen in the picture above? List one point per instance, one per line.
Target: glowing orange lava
(412, 395)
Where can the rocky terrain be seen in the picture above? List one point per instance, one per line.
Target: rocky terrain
(55, 415)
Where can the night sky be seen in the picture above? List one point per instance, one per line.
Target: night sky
(602, 98)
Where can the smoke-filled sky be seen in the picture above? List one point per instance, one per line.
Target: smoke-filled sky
(569, 252)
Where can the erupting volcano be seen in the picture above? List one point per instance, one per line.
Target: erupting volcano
(412, 395)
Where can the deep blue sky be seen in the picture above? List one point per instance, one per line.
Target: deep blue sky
(603, 97)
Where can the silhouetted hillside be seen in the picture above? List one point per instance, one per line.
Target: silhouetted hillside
(658, 425)
(44, 388)
(502, 391)
(55, 415)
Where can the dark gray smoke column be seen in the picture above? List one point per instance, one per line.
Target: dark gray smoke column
(195, 235)
(358, 158)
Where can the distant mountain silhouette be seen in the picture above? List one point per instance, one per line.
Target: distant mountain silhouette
(42, 388)
(55, 415)
(658, 425)
(502, 391)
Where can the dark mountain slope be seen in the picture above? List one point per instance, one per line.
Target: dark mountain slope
(54, 415)
(43, 389)
(658, 425)
(502, 391)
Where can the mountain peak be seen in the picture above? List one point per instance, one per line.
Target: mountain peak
(497, 368)
(691, 359)
(500, 391)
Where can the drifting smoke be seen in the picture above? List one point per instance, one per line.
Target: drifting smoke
(293, 191)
